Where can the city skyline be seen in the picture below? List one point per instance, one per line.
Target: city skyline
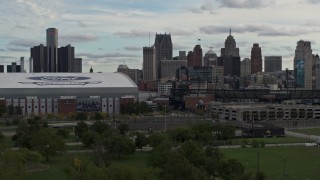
(108, 33)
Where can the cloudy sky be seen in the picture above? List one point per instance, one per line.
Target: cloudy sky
(106, 33)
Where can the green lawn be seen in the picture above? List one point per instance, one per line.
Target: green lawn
(312, 131)
(55, 171)
(273, 140)
(301, 162)
(57, 164)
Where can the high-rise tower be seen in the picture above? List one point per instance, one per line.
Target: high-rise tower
(52, 50)
(149, 64)
(230, 58)
(256, 59)
(163, 46)
(230, 48)
(303, 62)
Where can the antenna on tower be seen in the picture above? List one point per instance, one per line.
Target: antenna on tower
(230, 32)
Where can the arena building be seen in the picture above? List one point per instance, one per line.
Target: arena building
(63, 93)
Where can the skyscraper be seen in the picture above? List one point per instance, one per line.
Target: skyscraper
(230, 48)
(230, 58)
(163, 46)
(52, 50)
(1, 68)
(197, 56)
(77, 66)
(256, 59)
(149, 64)
(13, 68)
(303, 62)
(66, 59)
(272, 63)
(22, 64)
(245, 67)
(39, 58)
(210, 58)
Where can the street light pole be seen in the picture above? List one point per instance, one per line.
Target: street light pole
(165, 119)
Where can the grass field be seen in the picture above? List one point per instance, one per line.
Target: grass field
(273, 140)
(57, 164)
(312, 131)
(300, 162)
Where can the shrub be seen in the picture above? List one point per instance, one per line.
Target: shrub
(262, 144)
(255, 143)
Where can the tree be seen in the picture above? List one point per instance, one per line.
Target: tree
(14, 164)
(181, 134)
(62, 133)
(99, 126)
(98, 116)
(119, 145)
(18, 111)
(178, 167)
(194, 153)
(81, 116)
(123, 128)
(80, 128)
(231, 169)
(141, 140)
(88, 138)
(10, 110)
(160, 154)
(47, 143)
(155, 139)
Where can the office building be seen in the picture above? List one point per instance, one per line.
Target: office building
(230, 48)
(22, 64)
(303, 62)
(38, 55)
(134, 74)
(182, 55)
(77, 66)
(13, 68)
(195, 58)
(1, 68)
(52, 50)
(163, 46)
(230, 58)
(256, 59)
(210, 58)
(149, 64)
(66, 59)
(245, 67)
(169, 67)
(272, 63)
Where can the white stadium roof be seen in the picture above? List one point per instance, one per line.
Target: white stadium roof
(66, 84)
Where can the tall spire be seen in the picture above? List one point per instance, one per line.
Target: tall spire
(230, 32)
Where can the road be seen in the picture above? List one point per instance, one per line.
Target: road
(311, 137)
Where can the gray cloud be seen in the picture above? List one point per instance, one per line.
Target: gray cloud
(2, 50)
(77, 38)
(313, 1)
(82, 24)
(181, 47)
(107, 55)
(260, 30)
(178, 32)
(17, 49)
(133, 48)
(132, 34)
(246, 3)
(23, 43)
(206, 7)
